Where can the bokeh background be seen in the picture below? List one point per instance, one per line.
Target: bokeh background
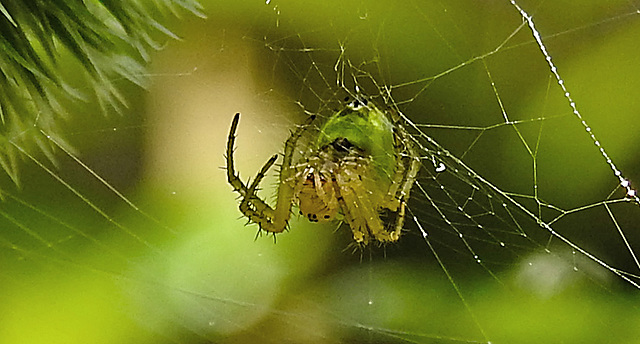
(132, 234)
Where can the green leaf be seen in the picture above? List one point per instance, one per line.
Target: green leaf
(7, 15)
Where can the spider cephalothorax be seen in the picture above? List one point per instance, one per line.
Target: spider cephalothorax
(360, 164)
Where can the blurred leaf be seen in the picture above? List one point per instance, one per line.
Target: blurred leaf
(51, 50)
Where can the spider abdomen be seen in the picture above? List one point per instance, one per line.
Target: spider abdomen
(365, 129)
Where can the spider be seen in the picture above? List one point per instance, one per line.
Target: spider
(361, 166)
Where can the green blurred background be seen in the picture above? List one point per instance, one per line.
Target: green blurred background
(171, 261)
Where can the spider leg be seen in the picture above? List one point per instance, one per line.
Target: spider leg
(406, 174)
(252, 206)
(286, 191)
(232, 175)
(355, 223)
(414, 165)
(409, 177)
(360, 212)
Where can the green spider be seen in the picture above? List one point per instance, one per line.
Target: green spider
(361, 165)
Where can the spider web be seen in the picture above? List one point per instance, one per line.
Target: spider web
(522, 226)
